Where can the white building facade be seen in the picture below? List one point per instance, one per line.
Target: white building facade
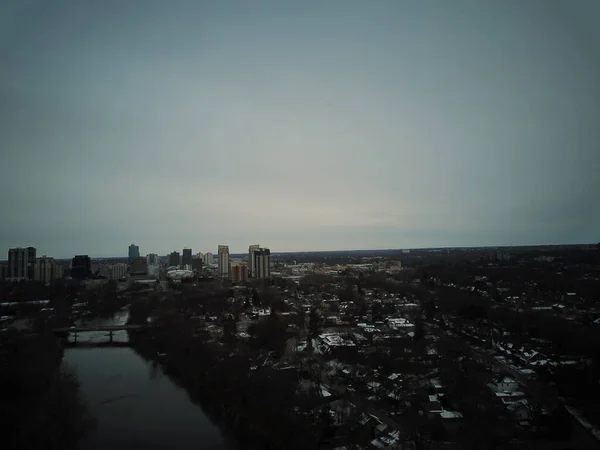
(261, 263)
(223, 253)
(118, 271)
(251, 250)
(208, 259)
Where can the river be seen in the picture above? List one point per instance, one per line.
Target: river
(135, 405)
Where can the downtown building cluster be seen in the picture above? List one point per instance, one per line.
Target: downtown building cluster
(23, 264)
(258, 265)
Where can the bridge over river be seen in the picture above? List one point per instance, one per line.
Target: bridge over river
(110, 329)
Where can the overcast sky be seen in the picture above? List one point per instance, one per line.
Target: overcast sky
(298, 125)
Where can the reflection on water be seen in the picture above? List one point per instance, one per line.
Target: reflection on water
(135, 405)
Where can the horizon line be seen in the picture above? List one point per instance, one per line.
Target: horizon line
(368, 250)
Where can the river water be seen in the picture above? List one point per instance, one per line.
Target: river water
(135, 405)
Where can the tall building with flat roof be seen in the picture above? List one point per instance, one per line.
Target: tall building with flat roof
(46, 269)
(118, 271)
(139, 266)
(207, 259)
(152, 258)
(251, 250)
(134, 252)
(21, 263)
(186, 259)
(174, 259)
(262, 263)
(197, 264)
(223, 252)
(239, 272)
(81, 267)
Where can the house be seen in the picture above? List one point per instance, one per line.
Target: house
(435, 385)
(451, 421)
(368, 423)
(521, 411)
(432, 407)
(503, 384)
(388, 441)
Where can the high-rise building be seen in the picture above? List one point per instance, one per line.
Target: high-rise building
(139, 266)
(118, 271)
(81, 267)
(46, 269)
(174, 259)
(200, 256)
(262, 263)
(3, 272)
(251, 250)
(21, 263)
(187, 257)
(152, 258)
(134, 252)
(223, 252)
(239, 272)
(197, 264)
(208, 258)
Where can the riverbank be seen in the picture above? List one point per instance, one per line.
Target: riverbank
(252, 404)
(40, 399)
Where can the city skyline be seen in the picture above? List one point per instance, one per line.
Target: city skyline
(373, 126)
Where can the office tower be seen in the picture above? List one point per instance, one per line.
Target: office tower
(118, 271)
(239, 272)
(200, 256)
(251, 250)
(223, 252)
(187, 257)
(46, 269)
(208, 258)
(262, 263)
(174, 259)
(21, 263)
(139, 266)
(197, 264)
(152, 258)
(81, 267)
(134, 252)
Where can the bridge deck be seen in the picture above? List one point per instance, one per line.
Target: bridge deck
(85, 344)
(85, 329)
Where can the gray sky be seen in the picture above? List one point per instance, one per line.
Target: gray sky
(299, 125)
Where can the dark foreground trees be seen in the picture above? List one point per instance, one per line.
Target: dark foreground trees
(40, 403)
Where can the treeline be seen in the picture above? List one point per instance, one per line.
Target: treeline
(101, 300)
(41, 406)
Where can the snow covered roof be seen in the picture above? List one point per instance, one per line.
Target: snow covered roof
(335, 340)
(450, 415)
(180, 274)
(30, 302)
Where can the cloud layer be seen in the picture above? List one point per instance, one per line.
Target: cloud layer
(299, 125)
